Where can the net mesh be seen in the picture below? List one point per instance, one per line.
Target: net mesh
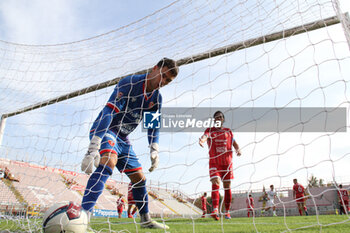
(306, 70)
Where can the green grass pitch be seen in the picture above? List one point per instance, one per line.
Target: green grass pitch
(322, 223)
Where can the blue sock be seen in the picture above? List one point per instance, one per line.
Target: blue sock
(95, 186)
(140, 195)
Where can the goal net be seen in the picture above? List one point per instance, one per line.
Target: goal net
(233, 55)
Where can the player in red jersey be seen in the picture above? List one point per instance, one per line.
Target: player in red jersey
(120, 206)
(131, 202)
(204, 204)
(220, 141)
(298, 195)
(250, 205)
(343, 196)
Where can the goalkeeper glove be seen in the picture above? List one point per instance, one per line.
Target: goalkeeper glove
(154, 156)
(92, 156)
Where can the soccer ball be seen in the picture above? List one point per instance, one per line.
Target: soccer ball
(65, 217)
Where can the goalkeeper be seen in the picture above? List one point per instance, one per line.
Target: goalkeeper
(109, 145)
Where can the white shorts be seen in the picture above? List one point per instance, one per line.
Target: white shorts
(270, 203)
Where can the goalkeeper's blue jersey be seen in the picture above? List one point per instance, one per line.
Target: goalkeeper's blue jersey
(124, 109)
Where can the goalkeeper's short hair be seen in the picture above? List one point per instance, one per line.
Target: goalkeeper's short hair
(170, 64)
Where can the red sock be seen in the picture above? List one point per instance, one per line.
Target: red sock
(305, 208)
(248, 214)
(215, 197)
(301, 213)
(228, 199)
(133, 211)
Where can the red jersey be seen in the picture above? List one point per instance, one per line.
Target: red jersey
(204, 202)
(343, 195)
(250, 202)
(120, 203)
(220, 145)
(299, 190)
